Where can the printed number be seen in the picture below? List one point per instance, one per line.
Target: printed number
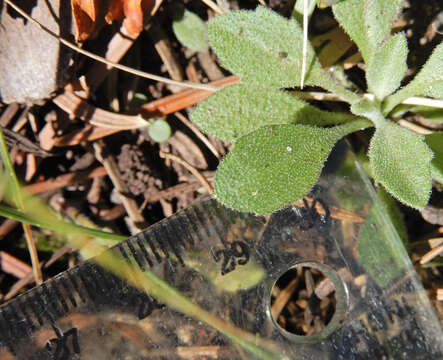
(236, 254)
(310, 217)
(59, 346)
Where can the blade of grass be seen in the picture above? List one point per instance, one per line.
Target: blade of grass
(147, 281)
(16, 192)
(56, 225)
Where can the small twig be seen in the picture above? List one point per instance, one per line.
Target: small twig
(14, 266)
(198, 133)
(109, 63)
(440, 294)
(262, 3)
(431, 254)
(156, 7)
(414, 100)
(322, 96)
(74, 105)
(63, 180)
(414, 127)
(114, 174)
(191, 168)
(283, 297)
(13, 138)
(210, 4)
(166, 51)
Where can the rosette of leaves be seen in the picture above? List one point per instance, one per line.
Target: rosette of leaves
(280, 142)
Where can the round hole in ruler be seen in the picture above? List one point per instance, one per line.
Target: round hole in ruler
(308, 302)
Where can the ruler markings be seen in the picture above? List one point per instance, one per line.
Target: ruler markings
(50, 301)
(148, 239)
(71, 275)
(187, 222)
(197, 217)
(206, 219)
(5, 332)
(135, 254)
(44, 309)
(214, 222)
(29, 301)
(82, 272)
(60, 297)
(143, 250)
(123, 252)
(12, 321)
(188, 239)
(159, 239)
(173, 242)
(22, 306)
(64, 283)
(21, 321)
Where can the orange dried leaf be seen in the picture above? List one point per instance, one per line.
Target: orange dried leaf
(134, 11)
(89, 13)
(85, 16)
(115, 11)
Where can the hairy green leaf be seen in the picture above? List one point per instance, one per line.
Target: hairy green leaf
(159, 131)
(368, 22)
(400, 161)
(275, 165)
(237, 110)
(369, 109)
(387, 67)
(191, 31)
(428, 82)
(435, 142)
(262, 47)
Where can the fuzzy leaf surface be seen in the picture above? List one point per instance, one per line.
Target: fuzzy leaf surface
(275, 165)
(367, 22)
(387, 67)
(428, 82)
(191, 31)
(435, 142)
(401, 161)
(262, 47)
(239, 109)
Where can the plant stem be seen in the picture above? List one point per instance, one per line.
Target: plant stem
(18, 200)
(58, 226)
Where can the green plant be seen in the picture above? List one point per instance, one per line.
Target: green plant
(280, 142)
(191, 31)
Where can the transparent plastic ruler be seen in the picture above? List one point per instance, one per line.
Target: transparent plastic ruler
(219, 267)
